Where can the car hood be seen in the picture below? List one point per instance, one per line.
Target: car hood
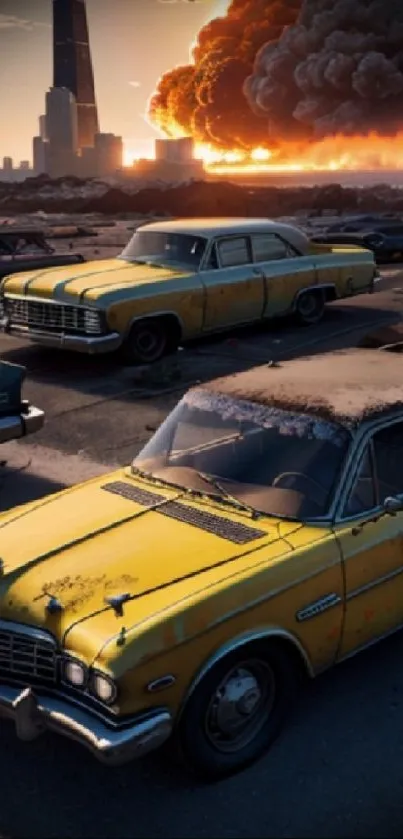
(112, 536)
(85, 282)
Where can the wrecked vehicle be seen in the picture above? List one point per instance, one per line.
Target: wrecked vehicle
(17, 416)
(255, 539)
(385, 242)
(179, 280)
(26, 249)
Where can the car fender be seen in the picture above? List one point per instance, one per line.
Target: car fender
(157, 314)
(263, 633)
(320, 287)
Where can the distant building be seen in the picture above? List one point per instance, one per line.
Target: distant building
(62, 131)
(72, 65)
(167, 171)
(7, 164)
(109, 154)
(175, 151)
(39, 154)
(17, 175)
(87, 164)
(43, 132)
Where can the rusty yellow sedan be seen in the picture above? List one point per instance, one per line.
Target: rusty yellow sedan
(254, 540)
(179, 280)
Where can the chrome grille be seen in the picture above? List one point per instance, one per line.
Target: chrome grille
(27, 655)
(45, 315)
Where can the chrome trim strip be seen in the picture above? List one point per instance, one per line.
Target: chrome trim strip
(252, 604)
(25, 629)
(162, 683)
(374, 583)
(318, 607)
(78, 343)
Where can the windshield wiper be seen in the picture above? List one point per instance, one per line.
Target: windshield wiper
(240, 505)
(141, 473)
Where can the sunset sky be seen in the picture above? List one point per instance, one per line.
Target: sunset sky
(132, 41)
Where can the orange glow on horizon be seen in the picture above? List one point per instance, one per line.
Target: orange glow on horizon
(333, 154)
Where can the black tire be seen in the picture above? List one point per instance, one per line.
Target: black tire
(212, 758)
(148, 341)
(310, 307)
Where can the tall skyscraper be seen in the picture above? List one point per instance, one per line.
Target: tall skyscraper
(43, 131)
(72, 65)
(62, 131)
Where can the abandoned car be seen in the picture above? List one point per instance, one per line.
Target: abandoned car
(26, 249)
(179, 280)
(255, 538)
(17, 416)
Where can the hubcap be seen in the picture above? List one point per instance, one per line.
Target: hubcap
(308, 305)
(240, 706)
(149, 343)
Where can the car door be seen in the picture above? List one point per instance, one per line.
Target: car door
(234, 287)
(286, 272)
(372, 551)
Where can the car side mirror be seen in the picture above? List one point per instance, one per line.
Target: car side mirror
(390, 507)
(393, 505)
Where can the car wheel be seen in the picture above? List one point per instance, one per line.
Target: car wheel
(310, 307)
(147, 342)
(237, 711)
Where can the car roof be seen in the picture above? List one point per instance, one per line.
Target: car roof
(9, 230)
(209, 227)
(348, 386)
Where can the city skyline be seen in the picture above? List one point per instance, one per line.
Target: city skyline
(122, 28)
(72, 65)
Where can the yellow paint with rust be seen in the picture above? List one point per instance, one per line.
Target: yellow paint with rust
(192, 591)
(374, 580)
(205, 301)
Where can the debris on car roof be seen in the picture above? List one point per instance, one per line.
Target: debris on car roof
(347, 386)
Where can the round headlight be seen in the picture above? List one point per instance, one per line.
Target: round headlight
(75, 672)
(103, 687)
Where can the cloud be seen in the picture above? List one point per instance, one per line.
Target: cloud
(14, 22)
(135, 84)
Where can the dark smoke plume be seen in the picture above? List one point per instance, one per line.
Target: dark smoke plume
(338, 70)
(278, 70)
(206, 99)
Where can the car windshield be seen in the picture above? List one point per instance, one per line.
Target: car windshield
(277, 462)
(180, 250)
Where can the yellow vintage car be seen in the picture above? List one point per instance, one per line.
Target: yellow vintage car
(179, 280)
(254, 540)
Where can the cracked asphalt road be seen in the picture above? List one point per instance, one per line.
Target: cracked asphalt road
(338, 769)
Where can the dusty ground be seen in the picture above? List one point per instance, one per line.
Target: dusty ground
(338, 770)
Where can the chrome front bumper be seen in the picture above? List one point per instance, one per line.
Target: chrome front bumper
(34, 714)
(59, 340)
(19, 425)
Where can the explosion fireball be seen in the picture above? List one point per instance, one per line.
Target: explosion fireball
(291, 84)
